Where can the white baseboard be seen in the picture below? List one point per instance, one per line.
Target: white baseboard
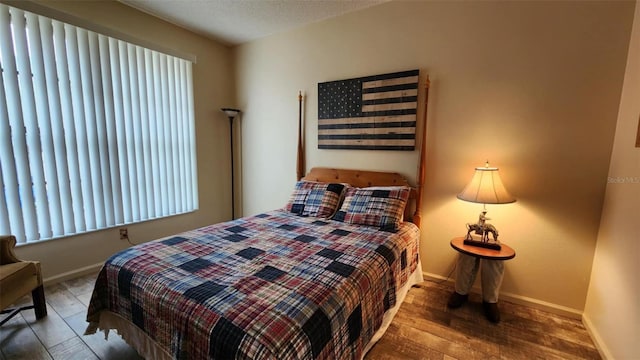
(522, 300)
(73, 274)
(597, 339)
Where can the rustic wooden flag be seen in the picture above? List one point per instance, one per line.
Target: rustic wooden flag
(369, 113)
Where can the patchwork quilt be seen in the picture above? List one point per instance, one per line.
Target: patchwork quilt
(270, 286)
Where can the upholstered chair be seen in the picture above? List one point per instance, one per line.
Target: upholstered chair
(17, 279)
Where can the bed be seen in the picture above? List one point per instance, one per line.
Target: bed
(319, 278)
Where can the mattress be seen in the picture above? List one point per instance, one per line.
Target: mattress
(270, 286)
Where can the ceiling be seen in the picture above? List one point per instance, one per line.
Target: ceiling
(234, 22)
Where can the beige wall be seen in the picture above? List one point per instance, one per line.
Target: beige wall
(612, 310)
(532, 86)
(213, 89)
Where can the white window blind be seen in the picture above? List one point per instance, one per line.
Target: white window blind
(95, 132)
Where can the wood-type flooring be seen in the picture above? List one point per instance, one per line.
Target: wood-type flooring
(423, 329)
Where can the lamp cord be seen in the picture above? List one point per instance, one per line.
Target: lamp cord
(129, 241)
(448, 275)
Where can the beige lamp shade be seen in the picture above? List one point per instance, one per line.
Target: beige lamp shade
(486, 188)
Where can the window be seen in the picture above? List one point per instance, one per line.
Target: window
(95, 132)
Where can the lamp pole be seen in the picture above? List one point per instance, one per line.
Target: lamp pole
(231, 114)
(233, 183)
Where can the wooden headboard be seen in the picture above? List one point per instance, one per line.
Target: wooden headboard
(365, 178)
(357, 178)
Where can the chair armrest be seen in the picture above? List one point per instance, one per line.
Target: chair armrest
(7, 256)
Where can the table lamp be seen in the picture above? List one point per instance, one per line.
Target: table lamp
(486, 188)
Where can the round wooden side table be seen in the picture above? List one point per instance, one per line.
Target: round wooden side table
(505, 253)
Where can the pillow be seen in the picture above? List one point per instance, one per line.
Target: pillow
(381, 206)
(315, 199)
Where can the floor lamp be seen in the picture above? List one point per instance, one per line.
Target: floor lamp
(231, 114)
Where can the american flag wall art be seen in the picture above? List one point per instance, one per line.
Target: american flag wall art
(369, 113)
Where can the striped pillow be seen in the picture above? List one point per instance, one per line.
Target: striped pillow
(315, 199)
(382, 206)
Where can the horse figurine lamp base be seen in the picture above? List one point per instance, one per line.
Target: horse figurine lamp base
(483, 229)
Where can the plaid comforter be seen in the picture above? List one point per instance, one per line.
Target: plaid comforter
(271, 286)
